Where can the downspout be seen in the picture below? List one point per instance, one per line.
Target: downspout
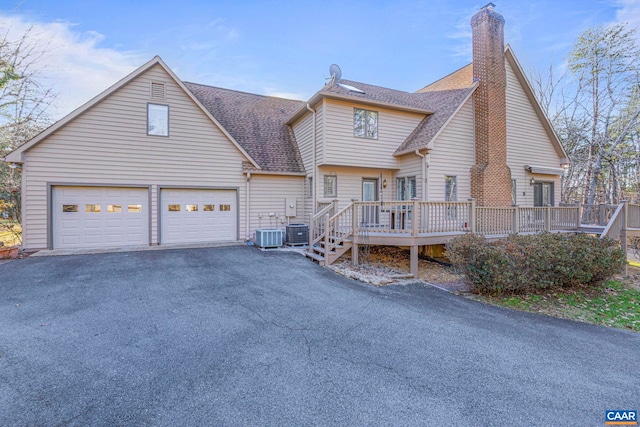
(424, 166)
(313, 173)
(248, 205)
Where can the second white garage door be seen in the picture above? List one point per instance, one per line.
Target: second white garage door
(198, 216)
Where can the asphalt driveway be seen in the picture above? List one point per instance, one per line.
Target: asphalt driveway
(235, 336)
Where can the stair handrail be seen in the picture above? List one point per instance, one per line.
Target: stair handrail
(616, 222)
(338, 236)
(316, 223)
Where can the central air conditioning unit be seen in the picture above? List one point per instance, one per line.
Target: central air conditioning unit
(297, 234)
(269, 238)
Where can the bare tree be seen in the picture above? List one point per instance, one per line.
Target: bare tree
(595, 110)
(24, 101)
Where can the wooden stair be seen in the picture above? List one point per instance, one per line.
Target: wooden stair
(319, 252)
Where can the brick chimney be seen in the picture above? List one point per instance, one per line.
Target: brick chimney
(490, 176)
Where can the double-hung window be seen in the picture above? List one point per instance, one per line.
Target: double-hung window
(451, 195)
(330, 186)
(365, 123)
(406, 188)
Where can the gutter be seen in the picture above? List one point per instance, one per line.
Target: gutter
(313, 173)
(425, 167)
(248, 227)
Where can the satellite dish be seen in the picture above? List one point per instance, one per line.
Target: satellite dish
(335, 72)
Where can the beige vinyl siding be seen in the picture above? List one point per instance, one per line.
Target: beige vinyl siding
(527, 143)
(350, 183)
(303, 132)
(410, 165)
(108, 144)
(344, 149)
(453, 154)
(268, 195)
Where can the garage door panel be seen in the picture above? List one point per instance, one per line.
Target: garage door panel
(199, 216)
(98, 216)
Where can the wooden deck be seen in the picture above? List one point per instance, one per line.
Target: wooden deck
(414, 223)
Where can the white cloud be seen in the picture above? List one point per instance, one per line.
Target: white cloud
(75, 64)
(629, 12)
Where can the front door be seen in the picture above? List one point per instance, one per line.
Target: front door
(370, 194)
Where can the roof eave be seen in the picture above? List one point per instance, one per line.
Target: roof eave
(364, 101)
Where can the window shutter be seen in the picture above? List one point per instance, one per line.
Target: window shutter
(158, 90)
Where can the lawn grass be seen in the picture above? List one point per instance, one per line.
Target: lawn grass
(616, 303)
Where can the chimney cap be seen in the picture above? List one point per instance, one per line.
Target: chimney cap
(489, 6)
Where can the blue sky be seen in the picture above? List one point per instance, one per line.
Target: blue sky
(285, 48)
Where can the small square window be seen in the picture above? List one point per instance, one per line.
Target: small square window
(134, 208)
(191, 208)
(174, 208)
(69, 208)
(157, 120)
(114, 208)
(330, 186)
(92, 208)
(225, 208)
(209, 208)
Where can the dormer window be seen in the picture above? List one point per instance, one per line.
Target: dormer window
(365, 123)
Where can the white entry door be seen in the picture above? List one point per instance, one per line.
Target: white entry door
(198, 216)
(94, 217)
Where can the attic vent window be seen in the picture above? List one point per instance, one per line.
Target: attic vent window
(158, 90)
(350, 88)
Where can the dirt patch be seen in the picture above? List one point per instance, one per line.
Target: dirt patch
(386, 265)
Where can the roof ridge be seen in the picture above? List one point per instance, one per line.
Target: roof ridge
(241, 91)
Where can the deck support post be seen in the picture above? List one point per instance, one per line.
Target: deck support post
(578, 216)
(414, 261)
(414, 219)
(547, 218)
(472, 216)
(516, 219)
(327, 261)
(355, 250)
(601, 213)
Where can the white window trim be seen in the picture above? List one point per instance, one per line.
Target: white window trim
(150, 105)
(334, 190)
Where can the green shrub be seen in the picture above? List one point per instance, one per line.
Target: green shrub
(526, 263)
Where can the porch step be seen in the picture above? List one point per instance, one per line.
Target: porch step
(315, 256)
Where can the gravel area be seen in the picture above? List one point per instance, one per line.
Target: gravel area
(386, 265)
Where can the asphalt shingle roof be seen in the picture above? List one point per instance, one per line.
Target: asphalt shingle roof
(257, 123)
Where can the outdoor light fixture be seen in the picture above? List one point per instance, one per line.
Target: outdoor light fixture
(384, 183)
(532, 181)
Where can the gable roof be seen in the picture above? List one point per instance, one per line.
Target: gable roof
(377, 96)
(17, 154)
(463, 78)
(445, 103)
(257, 122)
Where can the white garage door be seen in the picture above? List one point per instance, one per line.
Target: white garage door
(198, 216)
(93, 217)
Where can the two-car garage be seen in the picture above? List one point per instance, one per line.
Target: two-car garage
(94, 217)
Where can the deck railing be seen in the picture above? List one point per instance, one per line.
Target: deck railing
(338, 228)
(414, 217)
(633, 216)
(317, 222)
(597, 214)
